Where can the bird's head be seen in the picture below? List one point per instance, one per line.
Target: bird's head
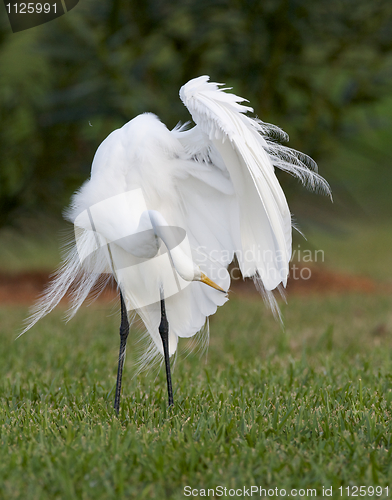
(200, 276)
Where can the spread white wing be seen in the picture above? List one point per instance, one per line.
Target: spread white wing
(242, 145)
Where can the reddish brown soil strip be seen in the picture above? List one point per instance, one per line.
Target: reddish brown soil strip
(24, 288)
(320, 280)
(326, 281)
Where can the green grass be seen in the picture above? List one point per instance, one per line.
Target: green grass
(305, 407)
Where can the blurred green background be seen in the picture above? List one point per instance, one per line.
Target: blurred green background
(321, 70)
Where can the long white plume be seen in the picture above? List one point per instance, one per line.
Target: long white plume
(72, 277)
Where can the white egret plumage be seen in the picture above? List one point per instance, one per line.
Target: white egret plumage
(166, 211)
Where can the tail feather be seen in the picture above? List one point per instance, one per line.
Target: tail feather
(72, 276)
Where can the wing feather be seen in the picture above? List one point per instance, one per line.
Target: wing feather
(250, 154)
(265, 219)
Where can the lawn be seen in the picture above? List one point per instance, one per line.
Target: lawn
(305, 407)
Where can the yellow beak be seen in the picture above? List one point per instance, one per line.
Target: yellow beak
(205, 279)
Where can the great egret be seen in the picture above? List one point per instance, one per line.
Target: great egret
(166, 211)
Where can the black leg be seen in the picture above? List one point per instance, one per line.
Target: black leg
(124, 331)
(164, 332)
